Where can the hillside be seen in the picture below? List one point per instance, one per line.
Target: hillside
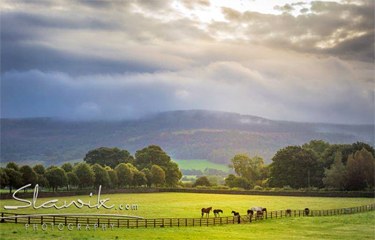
(194, 134)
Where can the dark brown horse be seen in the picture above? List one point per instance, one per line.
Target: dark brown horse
(259, 214)
(237, 215)
(250, 214)
(206, 211)
(307, 211)
(288, 212)
(217, 211)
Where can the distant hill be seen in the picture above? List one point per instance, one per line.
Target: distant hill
(194, 134)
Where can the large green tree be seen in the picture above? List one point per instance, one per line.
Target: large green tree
(101, 176)
(360, 170)
(14, 178)
(248, 168)
(202, 181)
(124, 174)
(139, 178)
(335, 176)
(56, 178)
(296, 167)
(317, 146)
(13, 166)
(108, 156)
(72, 180)
(155, 155)
(85, 174)
(28, 176)
(68, 167)
(4, 179)
(158, 175)
(112, 176)
(39, 169)
(148, 176)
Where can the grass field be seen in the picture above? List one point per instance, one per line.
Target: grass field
(152, 205)
(200, 164)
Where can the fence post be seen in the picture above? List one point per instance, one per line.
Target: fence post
(41, 220)
(15, 219)
(28, 221)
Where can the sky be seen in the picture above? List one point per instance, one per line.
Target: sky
(310, 61)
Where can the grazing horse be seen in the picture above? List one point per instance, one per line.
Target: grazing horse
(237, 214)
(206, 211)
(259, 214)
(259, 211)
(217, 211)
(307, 211)
(288, 212)
(250, 214)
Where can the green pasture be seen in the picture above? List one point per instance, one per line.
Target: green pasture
(200, 164)
(153, 205)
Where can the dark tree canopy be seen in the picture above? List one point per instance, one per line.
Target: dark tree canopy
(56, 178)
(4, 179)
(28, 175)
(154, 155)
(158, 175)
(105, 156)
(72, 179)
(202, 181)
(13, 165)
(14, 178)
(360, 170)
(295, 167)
(101, 176)
(39, 169)
(85, 174)
(124, 174)
(68, 167)
(317, 146)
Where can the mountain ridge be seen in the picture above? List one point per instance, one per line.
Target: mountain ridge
(184, 134)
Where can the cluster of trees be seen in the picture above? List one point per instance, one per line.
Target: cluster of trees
(109, 167)
(315, 164)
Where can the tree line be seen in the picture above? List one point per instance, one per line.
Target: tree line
(316, 164)
(109, 167)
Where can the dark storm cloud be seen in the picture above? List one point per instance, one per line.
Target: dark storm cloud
(121, 59)
(331, 28)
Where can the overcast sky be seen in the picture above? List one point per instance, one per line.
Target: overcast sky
(301, 61)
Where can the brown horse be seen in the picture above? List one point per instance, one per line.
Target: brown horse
(206, 211)
(288, 212)
(259, 214)
(217, 211)
(236, 215)
(250, 214)
(307, 211)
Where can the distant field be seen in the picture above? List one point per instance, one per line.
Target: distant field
(356, 226)
(200, 164)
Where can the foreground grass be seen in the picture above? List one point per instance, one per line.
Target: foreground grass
(356, 226)
(188, 205)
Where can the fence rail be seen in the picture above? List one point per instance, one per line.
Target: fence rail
(126, 222)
